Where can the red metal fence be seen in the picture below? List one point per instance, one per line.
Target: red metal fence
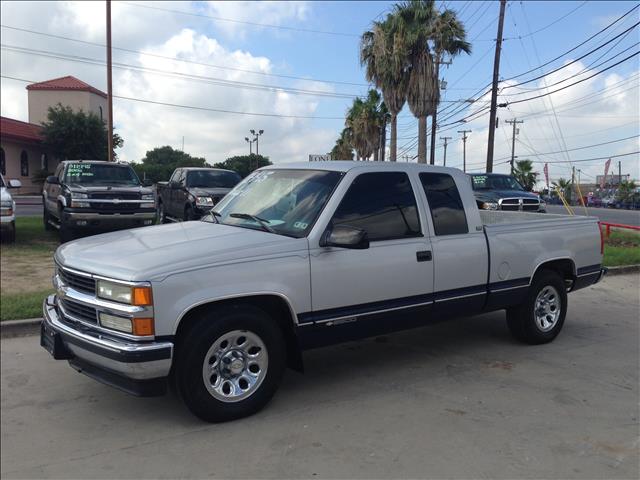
(608, 227)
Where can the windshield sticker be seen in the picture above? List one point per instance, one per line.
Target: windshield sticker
(300, 225)
(79, 169)
(479, 179)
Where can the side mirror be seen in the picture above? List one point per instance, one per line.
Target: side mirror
(53, 180)
(14, 183)
(147, 182)
(344, 236)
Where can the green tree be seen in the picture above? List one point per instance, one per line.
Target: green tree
(73, 135)
(563, 186)
(244, 164)
(364, 121)
(343, 150)
(626, 191)
(158, 164)
(423, 31)
(384, 59)
(523, 172)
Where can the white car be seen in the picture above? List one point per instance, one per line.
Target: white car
(7, 209)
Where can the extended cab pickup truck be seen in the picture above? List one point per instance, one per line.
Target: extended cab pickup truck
(92, 195)
(191, 192)
(299, 256)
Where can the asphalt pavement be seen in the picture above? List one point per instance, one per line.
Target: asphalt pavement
(453, 400)
(611, 215)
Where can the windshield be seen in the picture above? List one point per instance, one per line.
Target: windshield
(495, 182)
(212, 179)
(289, 201)
(101, 174)
(2, 184)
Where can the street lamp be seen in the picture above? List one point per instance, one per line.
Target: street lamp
(250, 142)
(257, 135)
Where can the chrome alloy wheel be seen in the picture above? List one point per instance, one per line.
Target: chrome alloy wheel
(547, 308)
(235, 366)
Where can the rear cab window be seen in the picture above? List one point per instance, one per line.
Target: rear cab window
(381, 203)
(445, 204)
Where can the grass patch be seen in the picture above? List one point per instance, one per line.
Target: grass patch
(16, 306)
(622, 248)
(26, 270)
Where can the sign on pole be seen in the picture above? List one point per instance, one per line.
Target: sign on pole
(319, 158)
(546, 176)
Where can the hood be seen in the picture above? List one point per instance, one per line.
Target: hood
(151, 253)
(209, 192)
(498, 194)
(4, 194)
(77, 187)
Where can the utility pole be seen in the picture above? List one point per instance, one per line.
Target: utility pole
(573, 181)
(444, 161)
(514, 122)
(250, 142)
(619, 173)
(434, 117)
(183, 143)
(253, 132)
(494, 89)
(464, 148)
(109, 88)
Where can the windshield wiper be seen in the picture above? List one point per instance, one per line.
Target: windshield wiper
(247, 216)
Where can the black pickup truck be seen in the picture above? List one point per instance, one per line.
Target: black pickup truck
(495, 191)
(95, 196)
(191, 192)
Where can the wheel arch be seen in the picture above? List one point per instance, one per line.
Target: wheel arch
(565, 267)
(275, 305)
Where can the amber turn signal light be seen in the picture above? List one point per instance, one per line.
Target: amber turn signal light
(141, 296)
(142, 326)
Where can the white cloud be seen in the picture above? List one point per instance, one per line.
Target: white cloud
(215, 136)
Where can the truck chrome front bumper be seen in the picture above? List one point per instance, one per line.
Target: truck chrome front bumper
(138, 368)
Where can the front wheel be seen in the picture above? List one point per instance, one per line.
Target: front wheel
(540, 317)
(46, 219)
(230, 363)
(162, 216)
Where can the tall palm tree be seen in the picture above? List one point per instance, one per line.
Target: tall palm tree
(449, 37)
(385, 117)
(343, 150)
(363, 120)
(564, 186)
(423, 33)
(524, 173)
(382, 55)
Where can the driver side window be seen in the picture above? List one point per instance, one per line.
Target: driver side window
(382, 204)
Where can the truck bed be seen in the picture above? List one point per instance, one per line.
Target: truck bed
(497, 217)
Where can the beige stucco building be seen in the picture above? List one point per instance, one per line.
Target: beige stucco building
(22, 154)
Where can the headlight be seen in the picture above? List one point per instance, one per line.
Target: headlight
(135, 326)
(204, 201)
(131, 295)
(148, 197)
(489, 206)
(77, 204)
(6, 208)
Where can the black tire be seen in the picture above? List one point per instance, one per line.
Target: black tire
(162, 215)
(188, 213)
(192, 350)
(67, 233)
(10, 236)
(522, 320)
(46, 219)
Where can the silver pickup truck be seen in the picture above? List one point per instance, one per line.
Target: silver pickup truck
(298, 256)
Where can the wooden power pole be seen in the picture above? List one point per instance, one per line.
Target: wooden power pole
(494, 89)
(446, 139)
(514, 122)
(464, 148)
(109, 88)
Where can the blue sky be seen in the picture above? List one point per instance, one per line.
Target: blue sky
(320, 56)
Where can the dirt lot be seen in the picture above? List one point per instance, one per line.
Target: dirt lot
(31, 271)
(454, 400)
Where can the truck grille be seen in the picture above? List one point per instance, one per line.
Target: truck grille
(520, 204)
(79, 311)
(110, 207)
(77, 282)
(119, 196)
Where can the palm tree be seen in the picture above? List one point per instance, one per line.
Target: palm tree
(382, 56)
(363, 120)
(384, 117)
(422, 33)
(449, 37)
(343, 150)
(563, 186)
(524, 173)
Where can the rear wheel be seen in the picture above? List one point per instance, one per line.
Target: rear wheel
(230, 363)
(540, 317)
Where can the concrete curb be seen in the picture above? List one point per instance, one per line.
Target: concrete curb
(19, 328)
(623, 270)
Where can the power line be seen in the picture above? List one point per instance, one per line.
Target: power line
(243, 22)
(585, 147)
(208, 109)
(588, 159)
(549, 25)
